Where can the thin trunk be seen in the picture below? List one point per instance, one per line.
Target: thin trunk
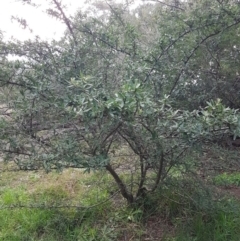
(143, 177)
(120, 184)
(160, 171)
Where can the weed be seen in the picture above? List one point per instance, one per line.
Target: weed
(227, 179)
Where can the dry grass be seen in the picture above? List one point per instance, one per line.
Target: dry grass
(35, 180)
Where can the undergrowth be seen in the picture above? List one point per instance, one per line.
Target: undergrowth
(76, 206)
(200, 214)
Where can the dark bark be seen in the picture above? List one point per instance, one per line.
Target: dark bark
(121, 185)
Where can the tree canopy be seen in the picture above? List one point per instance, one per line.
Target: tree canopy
(125, 89)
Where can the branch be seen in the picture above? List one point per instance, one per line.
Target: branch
(17, 152)
(65, 19)
(160, 170)
(168, 5)
(194, 50)
(163, 52)
(121, 185)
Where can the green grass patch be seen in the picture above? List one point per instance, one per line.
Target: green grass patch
(67, 206)
(221, 224)
(227, 179)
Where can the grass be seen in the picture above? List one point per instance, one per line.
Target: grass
(75, 206)
(226, 179)
(33, 206)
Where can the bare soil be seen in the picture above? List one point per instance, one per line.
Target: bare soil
(232, 190)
